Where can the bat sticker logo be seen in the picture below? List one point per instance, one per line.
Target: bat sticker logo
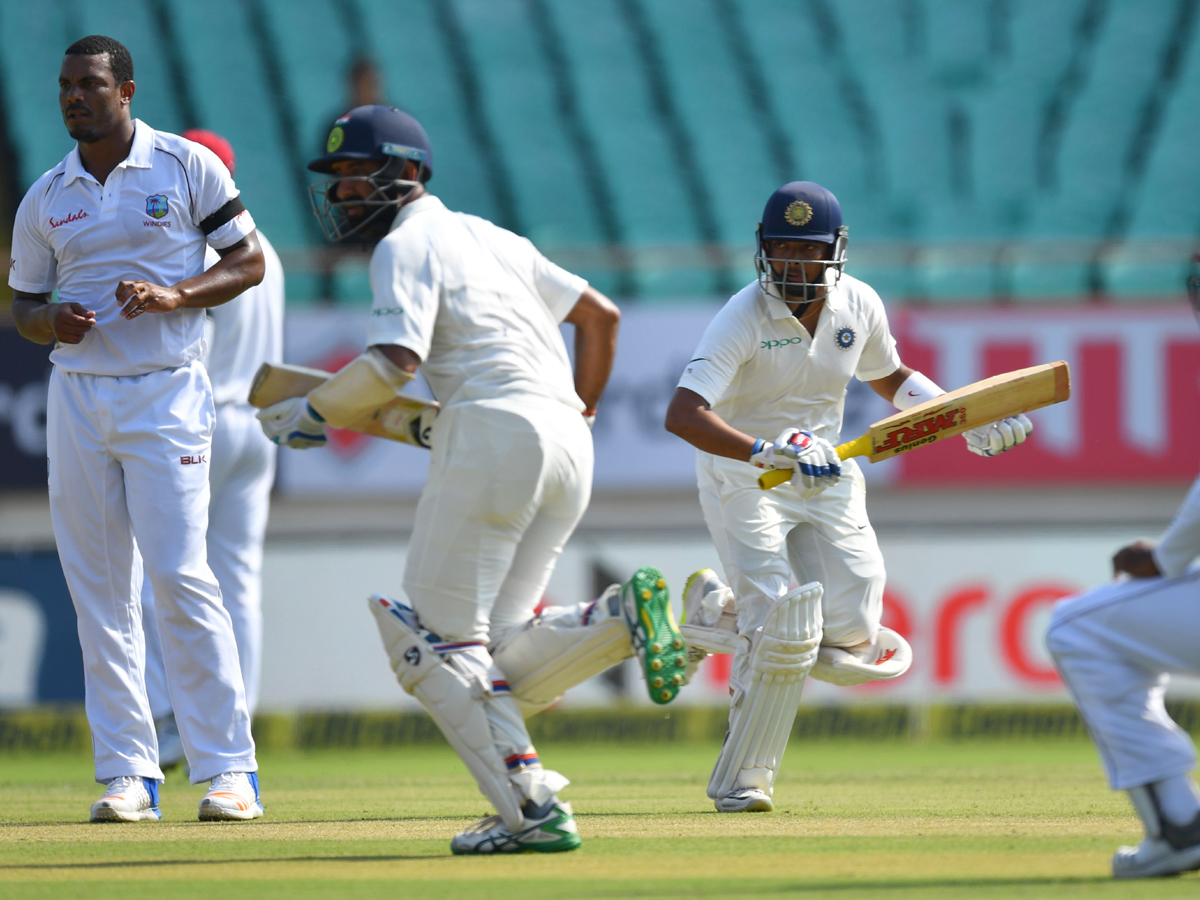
(412, 656)
(923, 431)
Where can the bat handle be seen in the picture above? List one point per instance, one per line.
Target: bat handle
(858, 447)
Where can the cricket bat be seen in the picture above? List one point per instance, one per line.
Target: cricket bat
(968, 407)
(398, 420)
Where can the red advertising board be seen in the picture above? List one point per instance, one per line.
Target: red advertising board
(1134, 414)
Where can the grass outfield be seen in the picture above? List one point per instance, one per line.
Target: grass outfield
(855, 819)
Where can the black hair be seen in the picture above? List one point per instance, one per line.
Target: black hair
(119, 60)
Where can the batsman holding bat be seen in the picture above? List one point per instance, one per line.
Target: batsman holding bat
(776, 360)
(478, 309)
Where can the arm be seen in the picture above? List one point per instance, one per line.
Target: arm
(596, 319)
(887, 386)
(690, 417)
(241, 266)
(40, 321)
(1175, 550)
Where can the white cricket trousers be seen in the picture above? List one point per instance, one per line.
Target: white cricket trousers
(128, 461)
(241, 472)
(767, 539)
(507, 485)
(1116, 648)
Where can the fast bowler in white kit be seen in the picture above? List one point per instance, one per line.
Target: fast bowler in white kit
(479, 309)
(120, 228)
(1116, 648)
(776, 360)
(242, 334)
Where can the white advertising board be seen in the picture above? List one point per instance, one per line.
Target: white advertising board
(974, 607)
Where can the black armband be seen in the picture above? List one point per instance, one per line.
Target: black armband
(222, 216)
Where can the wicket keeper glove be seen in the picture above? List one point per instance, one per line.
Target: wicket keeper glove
(994, 439)
(293, 423)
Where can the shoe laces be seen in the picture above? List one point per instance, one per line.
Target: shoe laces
(484, 825)
(130, 785)
(235, 782)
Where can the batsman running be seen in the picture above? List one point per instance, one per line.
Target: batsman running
(478, 309)
(776, 360)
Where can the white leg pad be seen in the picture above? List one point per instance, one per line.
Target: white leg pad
(453, 699)
(887, 657)
(555, 652)
(781, 654)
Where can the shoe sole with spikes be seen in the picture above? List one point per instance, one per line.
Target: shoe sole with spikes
(657, 642)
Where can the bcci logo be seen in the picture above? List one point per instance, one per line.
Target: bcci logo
(798, 213)
(156, 206)
(845, 337)
(412, 656)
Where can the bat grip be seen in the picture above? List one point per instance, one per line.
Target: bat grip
(858, 447)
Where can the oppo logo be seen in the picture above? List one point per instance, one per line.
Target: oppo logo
(771, 345)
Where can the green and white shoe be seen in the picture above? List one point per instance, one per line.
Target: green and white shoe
(659, 646)
(549, 830)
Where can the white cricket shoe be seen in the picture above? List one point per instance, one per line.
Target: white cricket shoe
(547, 830)
(232, 796)
(1178, 850)
(745, 800)
(129, 798)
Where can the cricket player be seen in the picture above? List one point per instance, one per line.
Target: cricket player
(1116, 647)
(120, 228)
(242, 334)
(776, 361)
(479, 309)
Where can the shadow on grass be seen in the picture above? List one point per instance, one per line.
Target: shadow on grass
(163, 863)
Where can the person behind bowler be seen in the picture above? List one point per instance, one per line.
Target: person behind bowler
(242, 334)
(119, 228)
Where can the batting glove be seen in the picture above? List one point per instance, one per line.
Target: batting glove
(818, 466)
(293, 423)
(994, 439)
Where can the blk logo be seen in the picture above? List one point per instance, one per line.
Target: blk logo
(191, 460)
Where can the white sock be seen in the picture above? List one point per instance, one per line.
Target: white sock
(1178, 799)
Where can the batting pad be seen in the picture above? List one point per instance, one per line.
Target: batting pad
(455, 702)
(889, 656)
(543, 660)
(782, 653)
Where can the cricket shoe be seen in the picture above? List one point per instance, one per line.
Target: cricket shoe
(550, 829)
(129, 798)
(709, 623)
(1178, 850)
(232, 796)
(745, 800)
(659, 646)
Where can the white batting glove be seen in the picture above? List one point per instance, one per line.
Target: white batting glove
(293, 423)
(994, 439)
(818, 466)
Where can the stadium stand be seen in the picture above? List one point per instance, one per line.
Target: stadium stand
(988, 150)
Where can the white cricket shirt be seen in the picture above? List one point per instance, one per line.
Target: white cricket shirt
(245, 332)
(144, 223)
(761, 371)
(479, 305)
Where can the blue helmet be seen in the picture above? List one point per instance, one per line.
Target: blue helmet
(801, 211)
(384, 134)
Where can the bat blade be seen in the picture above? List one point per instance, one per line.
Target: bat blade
(395, 420)
(973, 406)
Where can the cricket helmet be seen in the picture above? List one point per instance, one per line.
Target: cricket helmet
(384, 134)
(801, 211)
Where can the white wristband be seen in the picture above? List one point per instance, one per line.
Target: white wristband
(915, 390)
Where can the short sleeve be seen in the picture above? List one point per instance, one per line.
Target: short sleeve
(406, 285)
(559, 289)
(726, 345)
(880, 357)
(216, 207)
(32, 267)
